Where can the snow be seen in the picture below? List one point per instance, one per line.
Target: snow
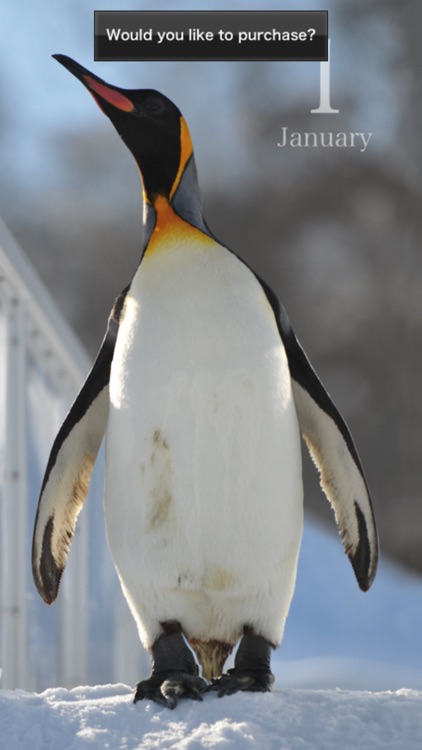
(348, 675)
(287, 719)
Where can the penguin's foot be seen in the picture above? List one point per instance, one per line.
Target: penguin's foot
(233, 682)
(174, 671)
(251, 670)
(168, 688)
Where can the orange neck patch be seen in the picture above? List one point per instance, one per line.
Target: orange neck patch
(167, 220)
(171, 230)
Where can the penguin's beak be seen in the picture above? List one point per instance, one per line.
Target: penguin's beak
(98, 88)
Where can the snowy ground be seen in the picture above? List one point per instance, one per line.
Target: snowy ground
(104, 718)
(348, 675)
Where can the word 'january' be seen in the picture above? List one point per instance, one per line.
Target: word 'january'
(296, 139)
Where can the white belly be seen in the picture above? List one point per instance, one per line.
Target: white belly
(203, 485)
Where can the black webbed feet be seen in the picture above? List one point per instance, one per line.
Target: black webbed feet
(251, 670)
(168, 687)
(174, 671)
(233, 682)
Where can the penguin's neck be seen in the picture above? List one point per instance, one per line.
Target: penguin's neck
(160, 212)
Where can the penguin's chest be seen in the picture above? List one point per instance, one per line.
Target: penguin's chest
(203, 454)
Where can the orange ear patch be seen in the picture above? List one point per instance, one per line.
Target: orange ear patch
(186, 150)
(110, 95)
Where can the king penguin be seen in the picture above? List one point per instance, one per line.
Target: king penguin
(202, 391)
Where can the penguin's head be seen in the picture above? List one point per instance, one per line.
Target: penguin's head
(150, 125)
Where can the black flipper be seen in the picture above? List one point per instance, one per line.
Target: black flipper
(69, 468)
(333, 451)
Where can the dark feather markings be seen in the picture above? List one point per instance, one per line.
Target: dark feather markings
(50, 572)
(361, 559)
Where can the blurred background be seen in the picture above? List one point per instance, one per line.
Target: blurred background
(335, 231)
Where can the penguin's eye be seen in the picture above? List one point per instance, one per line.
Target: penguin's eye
(152, 107)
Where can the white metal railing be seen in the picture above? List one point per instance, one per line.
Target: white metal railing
(81, 638)
(42, 366)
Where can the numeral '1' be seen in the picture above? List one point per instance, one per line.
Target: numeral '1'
(325, 107)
